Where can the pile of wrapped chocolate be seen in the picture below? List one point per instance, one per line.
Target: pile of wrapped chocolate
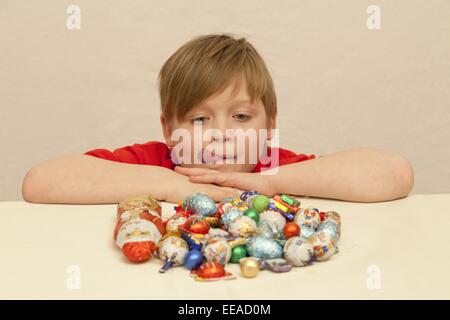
(255, 231)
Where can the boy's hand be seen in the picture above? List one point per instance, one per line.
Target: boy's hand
(239, 180)
(182, 188)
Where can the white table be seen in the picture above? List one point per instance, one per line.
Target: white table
(397, 249)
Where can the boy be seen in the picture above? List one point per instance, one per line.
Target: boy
(219, 84)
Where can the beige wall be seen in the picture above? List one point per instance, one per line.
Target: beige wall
(339, 84)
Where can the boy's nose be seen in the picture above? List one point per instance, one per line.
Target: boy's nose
(222, 137)
(220, 133)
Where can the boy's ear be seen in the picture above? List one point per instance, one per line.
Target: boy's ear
(271, 124)
(167, 130)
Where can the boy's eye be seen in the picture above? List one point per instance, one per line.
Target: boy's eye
(241, 117)
(201, 120)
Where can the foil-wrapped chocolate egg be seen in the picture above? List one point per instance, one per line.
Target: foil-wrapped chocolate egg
(243, 227)
(230, 216)
(173, 251)
(260, 203)
(264, 248)
(237, 253)
(291, 229)
(219, 251)
(196, 224)
(323, 245)
(308, 217)
(249, 267)
(330, 227)
(200, 203)
(273, 220)
(251, 213)
(174, 222)
(216, 234)
(306, 232)
(193, 259)
(298, 252)
(334, 216)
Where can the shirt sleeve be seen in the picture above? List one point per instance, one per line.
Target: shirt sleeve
(150, 153)
(288, 157)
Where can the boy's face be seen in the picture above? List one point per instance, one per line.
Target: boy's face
(216, 114)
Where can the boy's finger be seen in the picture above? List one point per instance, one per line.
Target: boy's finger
(236, 192)
(215, 178)
(222, 193)
(233, 180)
(193, 171)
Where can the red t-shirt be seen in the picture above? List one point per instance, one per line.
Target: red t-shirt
(158, 154)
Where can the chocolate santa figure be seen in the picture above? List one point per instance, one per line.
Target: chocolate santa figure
(139, 227)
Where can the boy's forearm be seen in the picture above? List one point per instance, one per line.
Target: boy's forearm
(358, 174)
(82, 179)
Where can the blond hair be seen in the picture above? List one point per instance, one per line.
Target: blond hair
(206, 65)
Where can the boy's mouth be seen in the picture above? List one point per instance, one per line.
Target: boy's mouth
(212, 158)
(224, 156)
(220, 158)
